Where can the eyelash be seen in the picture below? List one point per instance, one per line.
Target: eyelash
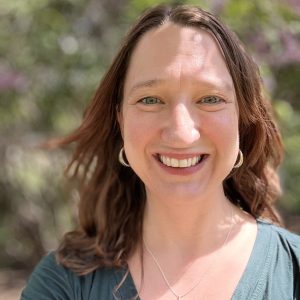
(220, 100)
(158, 101)
(145, 98)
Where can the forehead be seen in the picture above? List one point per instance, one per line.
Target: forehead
(185, 54)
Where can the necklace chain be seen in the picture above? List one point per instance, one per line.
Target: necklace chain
(179, 297)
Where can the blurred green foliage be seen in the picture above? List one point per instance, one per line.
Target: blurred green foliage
(52, 56)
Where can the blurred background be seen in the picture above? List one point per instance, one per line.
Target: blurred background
(52, 56)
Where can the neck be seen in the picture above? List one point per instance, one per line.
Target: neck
(189, 228)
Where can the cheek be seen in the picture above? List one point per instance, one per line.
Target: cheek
(132, 131)
(223, 130)
(224, 135)
(133, 126)
(138, 129)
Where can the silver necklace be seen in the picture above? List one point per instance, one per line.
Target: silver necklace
(179, 297)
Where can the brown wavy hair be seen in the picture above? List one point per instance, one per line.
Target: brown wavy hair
(112, 197)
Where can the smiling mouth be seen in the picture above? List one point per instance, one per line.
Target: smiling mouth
(181, 163)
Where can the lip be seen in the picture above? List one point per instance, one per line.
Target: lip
(181, 171)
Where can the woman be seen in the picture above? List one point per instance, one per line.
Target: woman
(179, 153)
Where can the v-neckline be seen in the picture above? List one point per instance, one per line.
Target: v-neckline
(260, 256)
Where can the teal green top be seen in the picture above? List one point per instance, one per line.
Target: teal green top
(271, 273)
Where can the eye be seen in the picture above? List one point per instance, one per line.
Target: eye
(210, 100)
(150, 100)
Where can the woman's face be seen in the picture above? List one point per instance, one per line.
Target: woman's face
(179, 117)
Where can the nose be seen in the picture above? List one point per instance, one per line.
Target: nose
(181, 128)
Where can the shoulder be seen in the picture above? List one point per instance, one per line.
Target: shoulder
(50, 280)
(283, 246)
(282, 237)
(273, 271)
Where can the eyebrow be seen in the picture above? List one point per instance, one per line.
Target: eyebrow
(146, 83)
(159, 81)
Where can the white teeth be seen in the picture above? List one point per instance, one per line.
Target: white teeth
(183, 163)
(174, 162)
(168, 160)
(179, 163)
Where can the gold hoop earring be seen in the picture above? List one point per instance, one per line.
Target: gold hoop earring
(121, 158)
(240, 160)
